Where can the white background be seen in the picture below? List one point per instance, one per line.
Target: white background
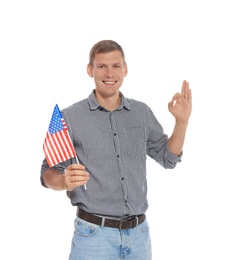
(44, 48)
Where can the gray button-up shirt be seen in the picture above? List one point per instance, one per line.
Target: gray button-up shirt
(113, 146)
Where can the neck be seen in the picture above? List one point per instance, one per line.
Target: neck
(110, 103)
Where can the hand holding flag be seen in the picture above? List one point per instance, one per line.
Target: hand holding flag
(57, 145)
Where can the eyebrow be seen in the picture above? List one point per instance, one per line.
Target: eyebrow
(115, 63)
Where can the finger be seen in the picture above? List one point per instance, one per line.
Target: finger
(73, 185)
(75, 166)
(186, 91)
(175, 97)
(183, 89)
(189, 95)
(79, 178)
(83, 174)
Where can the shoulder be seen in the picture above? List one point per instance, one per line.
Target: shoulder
(136, 104)
(76, 107)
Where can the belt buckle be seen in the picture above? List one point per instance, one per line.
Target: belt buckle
(120, 223)
(135, 222)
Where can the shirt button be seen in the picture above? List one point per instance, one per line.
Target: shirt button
(122, 179)
(118, 156)
(114, 134)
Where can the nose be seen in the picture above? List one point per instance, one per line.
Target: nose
(109, 72)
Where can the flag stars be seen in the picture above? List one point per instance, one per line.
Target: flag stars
(56, 123)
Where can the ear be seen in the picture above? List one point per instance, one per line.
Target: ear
(125, 69)
(89, 70)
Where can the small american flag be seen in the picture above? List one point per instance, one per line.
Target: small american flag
(57, 145)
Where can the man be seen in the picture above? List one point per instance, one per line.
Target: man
(112, 136)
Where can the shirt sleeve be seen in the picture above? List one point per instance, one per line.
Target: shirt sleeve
(157, 144)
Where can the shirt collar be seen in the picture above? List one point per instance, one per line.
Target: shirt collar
(93, 104)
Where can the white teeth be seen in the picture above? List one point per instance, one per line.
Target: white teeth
(109, 82)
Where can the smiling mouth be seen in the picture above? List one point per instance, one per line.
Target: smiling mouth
(109, 82)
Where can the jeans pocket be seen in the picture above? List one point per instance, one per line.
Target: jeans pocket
(85, 229)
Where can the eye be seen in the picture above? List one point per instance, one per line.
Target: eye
(117, 66)
(100, 66)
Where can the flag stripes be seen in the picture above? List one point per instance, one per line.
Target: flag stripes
(57, 145)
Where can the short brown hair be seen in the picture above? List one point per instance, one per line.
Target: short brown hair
(105, 46)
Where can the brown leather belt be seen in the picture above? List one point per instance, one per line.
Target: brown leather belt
(124, 223)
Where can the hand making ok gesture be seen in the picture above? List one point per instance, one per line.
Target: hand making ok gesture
(181, 104)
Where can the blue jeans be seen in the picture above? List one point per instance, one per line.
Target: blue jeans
(93, 242)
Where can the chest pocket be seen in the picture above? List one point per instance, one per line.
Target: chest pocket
(134, 140)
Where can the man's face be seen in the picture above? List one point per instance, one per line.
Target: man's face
(108, 71)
